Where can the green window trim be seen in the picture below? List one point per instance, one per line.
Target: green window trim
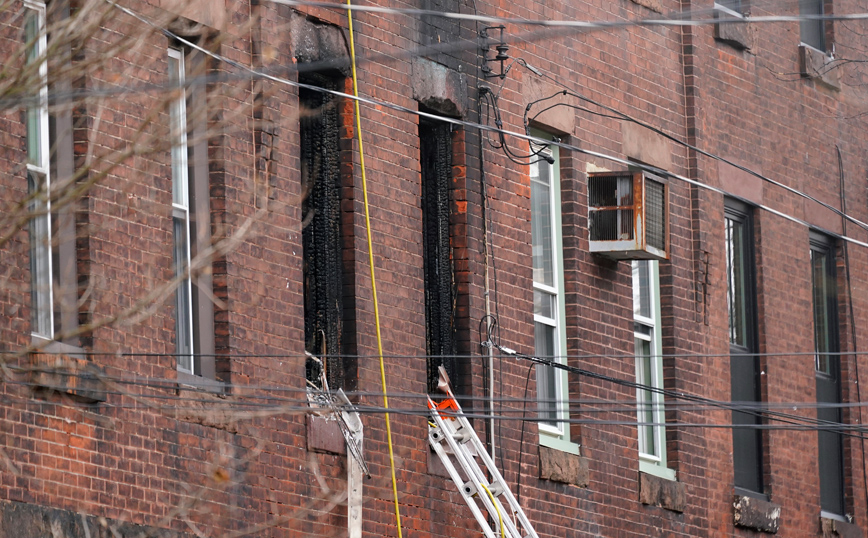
(549, 308)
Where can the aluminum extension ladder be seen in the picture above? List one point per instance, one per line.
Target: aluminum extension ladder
(449, 426)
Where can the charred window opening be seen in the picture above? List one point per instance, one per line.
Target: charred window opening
(435, 148)
(321, 234)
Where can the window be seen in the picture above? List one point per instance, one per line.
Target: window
(548, 295)
(732, 8)
(828, 373)
(649, 368)
(435, 151)
(39, 180)
(813, 31)
(321, 229)
(50, 162)
(191, 223)
(181, 217)
(744, 363)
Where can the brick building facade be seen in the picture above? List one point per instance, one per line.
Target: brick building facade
(166, 262)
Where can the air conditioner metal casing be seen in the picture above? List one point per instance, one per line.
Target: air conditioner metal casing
(628, 215)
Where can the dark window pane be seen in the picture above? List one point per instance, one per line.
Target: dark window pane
(747, 451)
(828, 365)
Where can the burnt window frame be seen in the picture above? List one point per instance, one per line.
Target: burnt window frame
(320, 206)
(436, 161)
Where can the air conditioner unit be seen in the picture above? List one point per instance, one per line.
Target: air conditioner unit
(628, 215)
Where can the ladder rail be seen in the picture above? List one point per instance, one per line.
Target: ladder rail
(458, 481)
(476, 477)
(451, 424)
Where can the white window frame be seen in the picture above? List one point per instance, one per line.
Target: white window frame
(41, 280)
(650, 461)
(555, 436)
(181, 212)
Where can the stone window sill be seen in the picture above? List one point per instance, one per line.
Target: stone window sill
(71, 376)
(835, 528)
(739, 35)
(818, 66)
(757, 514)
(560, 466)
(662, 492)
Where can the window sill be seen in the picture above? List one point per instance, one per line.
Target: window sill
(657, 470)
(201, 404)
(557, 443)
(563, 466)
(832, 527)
(72, 376)
(818, 66)
(757, 514)
(662, 492)
(197, 382)
(739, 35)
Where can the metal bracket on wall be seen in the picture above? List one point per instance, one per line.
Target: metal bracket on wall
(500, 46)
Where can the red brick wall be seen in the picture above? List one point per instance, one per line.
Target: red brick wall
(128, 461)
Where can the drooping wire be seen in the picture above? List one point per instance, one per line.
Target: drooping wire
(785, 418)
(488, 128)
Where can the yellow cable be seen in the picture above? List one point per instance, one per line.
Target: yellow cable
(499, 515)
(371, 263)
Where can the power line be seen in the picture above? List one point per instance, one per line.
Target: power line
(464, 123)
(677, 19)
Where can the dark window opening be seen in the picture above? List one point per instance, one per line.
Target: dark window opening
(744, 364)
(435, 151)
(828, 373)
(319, 124)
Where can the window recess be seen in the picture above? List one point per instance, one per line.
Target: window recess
(435, 149)
(319, 125)
(548, 294)
(748, 444)
(191, 222)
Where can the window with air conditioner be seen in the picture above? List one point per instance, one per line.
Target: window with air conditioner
(548, 292)
(628, 215)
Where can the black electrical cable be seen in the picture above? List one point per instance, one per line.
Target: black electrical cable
(774, 415)
(521, 441)
(841, 184)
(710, 155)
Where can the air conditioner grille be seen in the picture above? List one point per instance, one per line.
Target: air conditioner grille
(611, 225)
(655, 216)
(603, 191)
(610, 191)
